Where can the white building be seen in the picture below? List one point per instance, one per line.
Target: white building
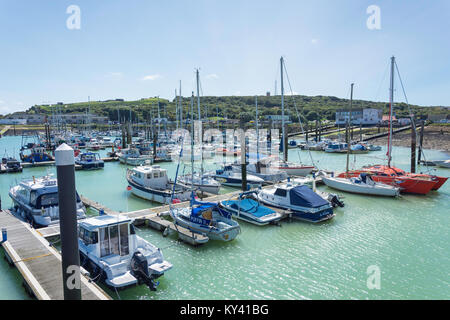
(368, 116)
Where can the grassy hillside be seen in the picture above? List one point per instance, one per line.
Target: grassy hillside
(236, 107)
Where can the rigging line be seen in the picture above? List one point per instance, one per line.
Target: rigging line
(296, 110)
(381, 82)
(413, 125)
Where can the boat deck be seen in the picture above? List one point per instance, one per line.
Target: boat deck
(39, 263)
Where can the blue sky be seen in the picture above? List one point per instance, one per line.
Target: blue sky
(133, 49)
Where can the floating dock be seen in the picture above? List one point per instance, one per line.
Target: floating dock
(52, 163)
(39, 263)
(154, 218)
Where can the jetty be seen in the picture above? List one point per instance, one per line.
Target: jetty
(155, 218)
(38, 262)
(52, 163)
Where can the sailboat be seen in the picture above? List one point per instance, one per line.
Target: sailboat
(201, 181)
(362, 184)
(205, 218)
(387, 174)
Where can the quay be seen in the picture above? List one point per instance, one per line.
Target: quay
(38, 262)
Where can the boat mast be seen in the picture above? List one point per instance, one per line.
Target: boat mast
(285, 155)
(200, 122)
(257, 130)
(349, 123)
(391, 107)
(176, 109)
(180, 105)
(159, 119)
(192, 141)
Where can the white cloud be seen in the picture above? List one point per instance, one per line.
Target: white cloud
(212, 76)
(2, 102)
(314, 41)
(151, 77)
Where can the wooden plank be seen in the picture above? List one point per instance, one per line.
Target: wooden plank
(39, 263)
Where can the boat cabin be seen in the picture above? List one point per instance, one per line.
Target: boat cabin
(150, 176)
(107, 237)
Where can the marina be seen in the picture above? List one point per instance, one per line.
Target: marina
(218, 157)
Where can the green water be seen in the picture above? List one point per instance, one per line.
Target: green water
(407, 238)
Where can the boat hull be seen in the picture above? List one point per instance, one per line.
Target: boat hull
(375, 190)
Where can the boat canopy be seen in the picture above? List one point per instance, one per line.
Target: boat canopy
(303, 196)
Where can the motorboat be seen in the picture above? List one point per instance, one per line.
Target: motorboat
(359, 148)
(35, 154)
(301, 200)
(36, 200)
(10, 164)
(208, 219)
(94, 145)
(132, 156)
(89, 161)
(111, 250)
(361, 185)
(250, 210)
(227, 177)
(151, 183)
(336, 147)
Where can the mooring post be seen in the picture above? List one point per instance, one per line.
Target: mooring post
(422, 127)
(67, 202)
(413, 149)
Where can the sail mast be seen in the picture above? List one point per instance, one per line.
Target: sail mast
(200, 122)
(282, 114)
(180, 104)
(391, 107)
(192, 141)
(349, 123)
(257, 130)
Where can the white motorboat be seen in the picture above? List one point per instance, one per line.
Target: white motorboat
(152, 183)
(362, 185)
(36, 200)
(132, 156)
(111, 250)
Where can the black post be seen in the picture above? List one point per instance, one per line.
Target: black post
(422, 127)
(243, 159)
(360, 131)
(317, 127)
(285, 143)
(124, 142)
(67, 202)
(413, 149)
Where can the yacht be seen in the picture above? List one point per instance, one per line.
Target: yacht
(9, 164)
(110, 249)
(151, 183)
(36, 200)
(203, 183)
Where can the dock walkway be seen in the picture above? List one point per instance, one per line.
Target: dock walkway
(39, 263)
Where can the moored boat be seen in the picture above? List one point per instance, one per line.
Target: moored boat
(36, 200)
(361, 185)
(110, 249)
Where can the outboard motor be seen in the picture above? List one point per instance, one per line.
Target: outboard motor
(335, 201)
(139, 269)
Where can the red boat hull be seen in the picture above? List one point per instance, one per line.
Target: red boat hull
(409, 183)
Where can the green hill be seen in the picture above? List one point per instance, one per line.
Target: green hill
(236, 107)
